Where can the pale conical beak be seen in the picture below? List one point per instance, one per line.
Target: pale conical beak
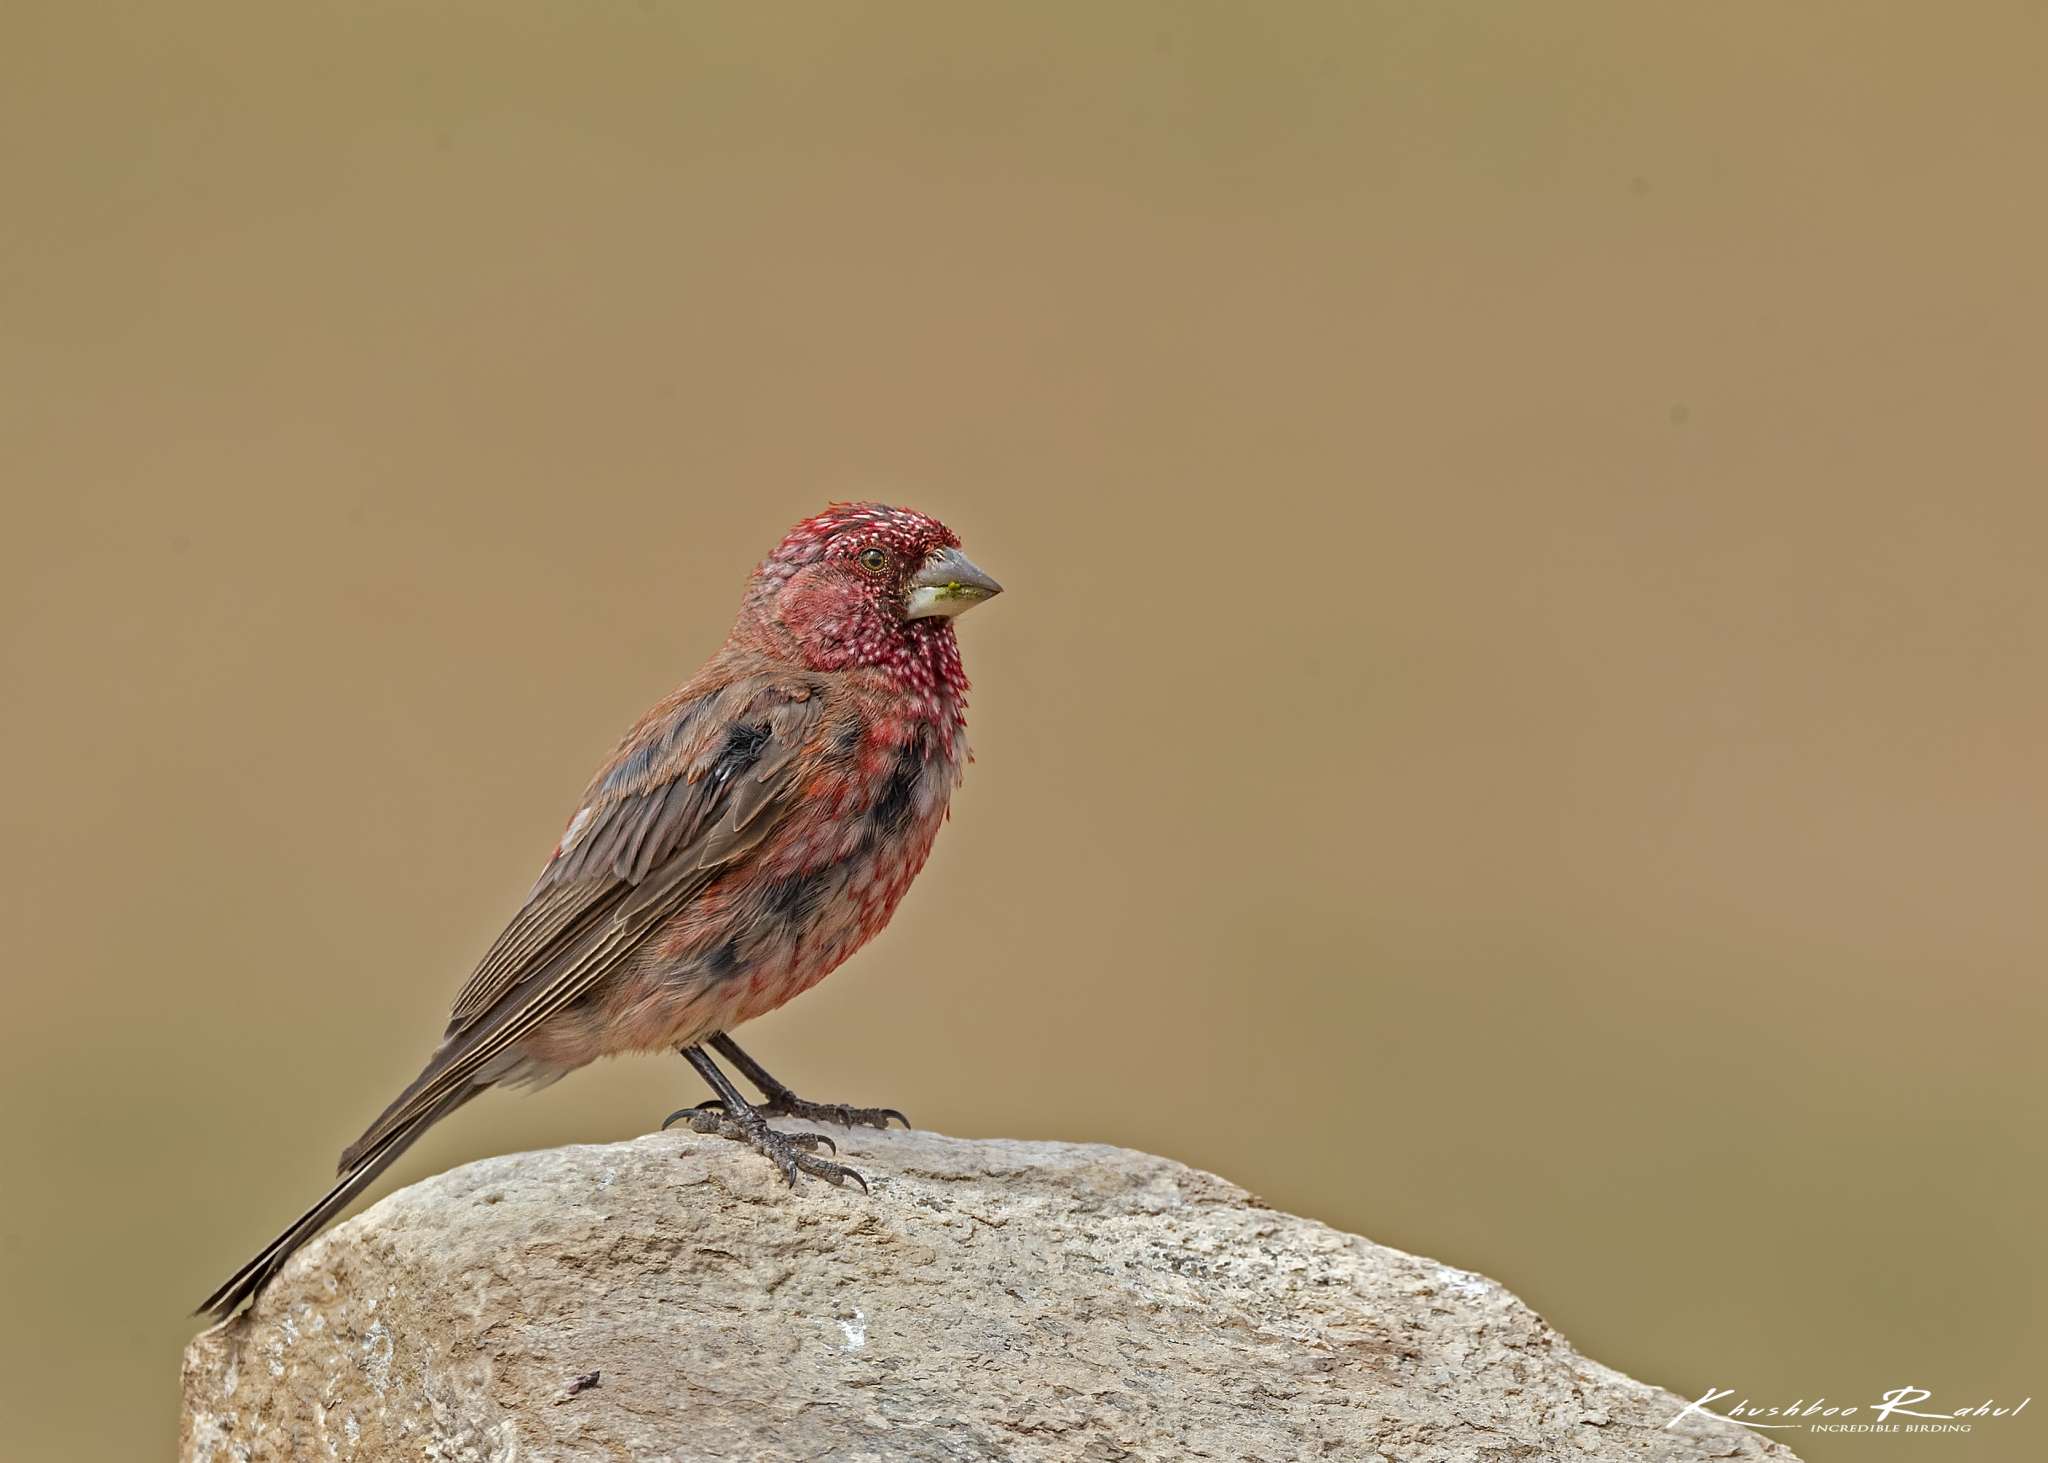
(947, 584)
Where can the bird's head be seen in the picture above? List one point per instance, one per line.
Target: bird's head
(867, 584)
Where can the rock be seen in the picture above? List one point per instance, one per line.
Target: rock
(669, 1298)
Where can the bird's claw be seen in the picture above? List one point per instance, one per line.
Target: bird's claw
(790, 1152)
(710, 1117)
(837, 1113)
(709, 1104)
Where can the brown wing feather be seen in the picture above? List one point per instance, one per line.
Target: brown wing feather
(689, 793)
(657, 793)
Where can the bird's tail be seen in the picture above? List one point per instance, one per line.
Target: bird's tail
(253, 1276)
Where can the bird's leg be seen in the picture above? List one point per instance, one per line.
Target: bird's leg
(732, 1116)
(782, 1103)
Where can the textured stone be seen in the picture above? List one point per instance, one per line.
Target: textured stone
(668, 1298)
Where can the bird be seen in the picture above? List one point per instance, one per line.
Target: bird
(751, 832)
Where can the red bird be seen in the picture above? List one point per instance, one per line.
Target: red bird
(752, 831)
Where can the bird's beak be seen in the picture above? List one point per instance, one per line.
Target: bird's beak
(946, 584)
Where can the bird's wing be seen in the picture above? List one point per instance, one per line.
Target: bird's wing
(696, 786)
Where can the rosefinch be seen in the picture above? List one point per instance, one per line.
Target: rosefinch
(752, 831)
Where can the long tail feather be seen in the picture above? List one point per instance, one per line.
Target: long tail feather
(253, 1276)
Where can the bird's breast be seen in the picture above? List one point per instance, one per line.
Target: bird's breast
(866, 829)
(824, 883)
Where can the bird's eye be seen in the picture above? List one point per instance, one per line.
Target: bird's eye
(874, 560)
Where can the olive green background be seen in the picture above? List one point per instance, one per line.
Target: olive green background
(1517, 727)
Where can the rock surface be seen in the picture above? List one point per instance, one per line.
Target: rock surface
(669, 1298)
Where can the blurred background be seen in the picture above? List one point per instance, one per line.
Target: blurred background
(1516, 729)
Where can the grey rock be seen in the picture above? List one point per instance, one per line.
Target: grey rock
(669, 1298)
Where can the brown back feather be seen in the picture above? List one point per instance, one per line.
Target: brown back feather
(676, 805)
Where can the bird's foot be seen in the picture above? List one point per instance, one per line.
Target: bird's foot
(792, 1153)
(789, 1105)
